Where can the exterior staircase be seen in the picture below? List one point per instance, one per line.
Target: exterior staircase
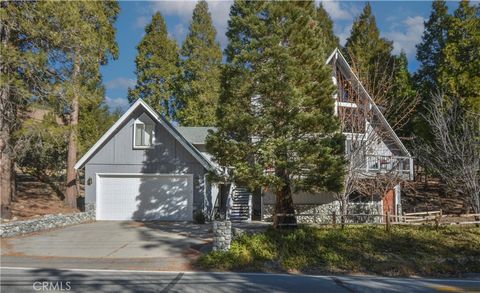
(239, 204)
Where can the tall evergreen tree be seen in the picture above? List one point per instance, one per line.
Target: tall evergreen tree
(276, 124)
(326, 25)
(22, 75)
(430, 51)
(82, 38)
(404, 97)
(156, 68)
(95, 119)
(369, 54)
(460, 68)
(199, 82)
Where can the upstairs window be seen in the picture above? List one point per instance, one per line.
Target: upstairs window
(143, 135)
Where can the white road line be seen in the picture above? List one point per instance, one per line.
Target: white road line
(95, 270)
(251, 274)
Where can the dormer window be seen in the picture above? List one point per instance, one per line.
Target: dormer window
(143, 135)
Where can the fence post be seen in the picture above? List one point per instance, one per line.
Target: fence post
(438, 218)
(334, 219)
(387, 226)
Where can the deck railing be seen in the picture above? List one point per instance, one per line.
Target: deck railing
(400, 165)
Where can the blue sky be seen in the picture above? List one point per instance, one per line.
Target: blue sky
(399, 21)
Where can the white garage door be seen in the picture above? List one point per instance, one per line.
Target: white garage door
(165, 197)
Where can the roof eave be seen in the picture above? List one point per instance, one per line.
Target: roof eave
(140, 103)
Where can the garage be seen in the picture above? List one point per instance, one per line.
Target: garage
(144, 197)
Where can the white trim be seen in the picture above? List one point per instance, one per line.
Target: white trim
(110, 174)
(190, 148)
(334, 53)
(134, 136)
(347, 104)
(338, 55)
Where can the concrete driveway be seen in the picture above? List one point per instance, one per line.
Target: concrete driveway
(111, 245)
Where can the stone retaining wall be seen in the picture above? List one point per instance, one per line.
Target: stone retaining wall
(222, 235)
(44, 223)
(322, 213)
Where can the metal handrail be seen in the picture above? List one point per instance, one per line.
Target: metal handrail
(250, 207)
(230, 201)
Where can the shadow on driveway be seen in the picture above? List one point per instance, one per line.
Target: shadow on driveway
(111, 244)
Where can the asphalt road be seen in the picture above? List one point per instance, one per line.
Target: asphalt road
(48, 280)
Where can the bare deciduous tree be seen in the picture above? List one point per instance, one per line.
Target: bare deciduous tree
(454, 152)
(380, 83)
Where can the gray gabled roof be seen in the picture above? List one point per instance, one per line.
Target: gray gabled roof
(160, 119)
(195, 135)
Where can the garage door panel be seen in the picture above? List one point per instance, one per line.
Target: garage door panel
(145, 197)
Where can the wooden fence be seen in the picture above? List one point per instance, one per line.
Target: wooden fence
(435, 218)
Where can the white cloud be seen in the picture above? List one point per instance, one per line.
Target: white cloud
(343, 33)
(179, 32)
(117, 103)
(407, 38)
(120, 83)
(184, 9)
(142, 21)
(343, 15)
(338, 11)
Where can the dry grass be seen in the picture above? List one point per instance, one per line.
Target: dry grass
(405, 251)
(36, 199)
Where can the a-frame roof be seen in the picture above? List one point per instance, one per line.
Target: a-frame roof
(159, 119)
(337, 58)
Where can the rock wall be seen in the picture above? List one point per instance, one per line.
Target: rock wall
(323, 213)
(46, 222)
(222, 235)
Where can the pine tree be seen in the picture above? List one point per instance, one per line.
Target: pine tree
(404, 97)
(430, 51)
(156, 68)
(276, 124)
(326, 24)
(370, 55)
(199, 82)
(460, 69)
(95, 119)
(430, 54)
(22, 76)
(82, 37)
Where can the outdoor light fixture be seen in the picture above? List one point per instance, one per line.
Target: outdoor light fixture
(89, 181)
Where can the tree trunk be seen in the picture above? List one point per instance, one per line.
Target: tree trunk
(71, 191)
(5, 123)
(5, 181)
(13, 181)
(6, 161)
(284, 209)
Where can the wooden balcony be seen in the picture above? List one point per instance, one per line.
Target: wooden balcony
(379, 164)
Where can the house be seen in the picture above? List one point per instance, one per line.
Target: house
(373, 150)
(144, 168)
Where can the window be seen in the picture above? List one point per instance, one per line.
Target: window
(143, 135)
